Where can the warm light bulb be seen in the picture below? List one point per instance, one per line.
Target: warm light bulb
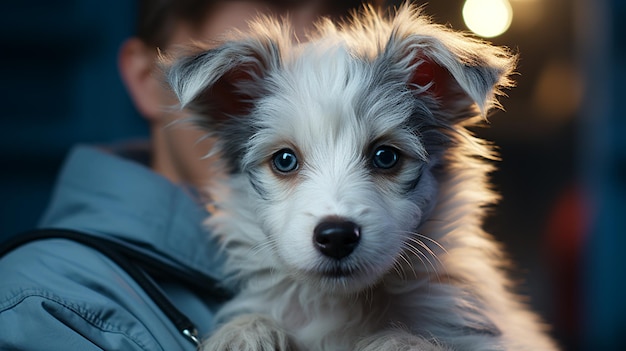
(487, 18)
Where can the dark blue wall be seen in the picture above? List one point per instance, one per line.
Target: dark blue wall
(603, 135)
(60, 87)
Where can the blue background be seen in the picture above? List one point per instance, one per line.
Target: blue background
(60, 86)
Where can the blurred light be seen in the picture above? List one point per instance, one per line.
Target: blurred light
(559, 91)
(487, 18)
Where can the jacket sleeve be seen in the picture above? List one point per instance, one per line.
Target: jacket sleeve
(39, 321)
(60, 295)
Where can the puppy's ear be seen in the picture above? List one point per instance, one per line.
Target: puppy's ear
(221, 84)
(459, 72)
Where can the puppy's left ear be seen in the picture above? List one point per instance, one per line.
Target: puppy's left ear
(458, 72)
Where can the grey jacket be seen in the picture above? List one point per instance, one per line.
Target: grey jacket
(57, 294)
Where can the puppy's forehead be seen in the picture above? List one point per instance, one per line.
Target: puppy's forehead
(324, 92)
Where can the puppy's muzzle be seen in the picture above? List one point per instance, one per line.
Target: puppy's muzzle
(336, 237)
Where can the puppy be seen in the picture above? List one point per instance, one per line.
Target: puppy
(352, 209)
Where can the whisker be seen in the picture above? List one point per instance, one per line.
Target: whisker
(422, 251)
(424, 259)
(368, 296)
(429, 239)
(428, 249)
(264, 249)
(416, 238)
(260, 247)
(401, 269)
(403, 276)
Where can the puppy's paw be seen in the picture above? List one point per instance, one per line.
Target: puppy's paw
(398, 340)
(248, 333)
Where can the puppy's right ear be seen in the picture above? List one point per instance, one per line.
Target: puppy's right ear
(462, 74)
(221, 84)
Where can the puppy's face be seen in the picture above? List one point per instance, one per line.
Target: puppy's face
(339, 168)
(337, 138)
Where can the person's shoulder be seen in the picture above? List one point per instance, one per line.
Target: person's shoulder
(53, 263)
(78, 297)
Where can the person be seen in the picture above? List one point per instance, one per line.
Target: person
(71, 294)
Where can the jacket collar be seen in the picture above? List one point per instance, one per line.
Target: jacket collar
(104, 194)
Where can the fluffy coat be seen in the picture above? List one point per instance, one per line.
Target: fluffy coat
(363, 123)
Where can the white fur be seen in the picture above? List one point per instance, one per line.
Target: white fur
(424, 275)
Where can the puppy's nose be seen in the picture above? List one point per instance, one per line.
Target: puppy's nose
(336, 238)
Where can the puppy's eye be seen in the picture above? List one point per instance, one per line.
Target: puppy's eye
(385, 157)
(285, 161)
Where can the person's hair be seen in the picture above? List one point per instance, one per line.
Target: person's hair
(156, 18)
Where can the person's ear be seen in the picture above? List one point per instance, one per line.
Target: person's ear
(138, 69)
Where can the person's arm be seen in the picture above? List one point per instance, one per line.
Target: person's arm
(36, 320)
(61, 295)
